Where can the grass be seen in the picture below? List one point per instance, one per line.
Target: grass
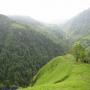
(62, 73)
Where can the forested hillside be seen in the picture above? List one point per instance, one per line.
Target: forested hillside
(78, 26)
(24, 49)
(78, 30)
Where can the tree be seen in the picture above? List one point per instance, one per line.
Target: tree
(88, 54)
(79, 52)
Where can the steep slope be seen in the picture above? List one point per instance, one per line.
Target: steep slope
(4, 25)
(62, 73)
(24, 49)
(52, 31)
(78, 26)
(47, 74)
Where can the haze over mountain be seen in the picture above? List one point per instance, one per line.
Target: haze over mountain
(25, 20)
(78, 26)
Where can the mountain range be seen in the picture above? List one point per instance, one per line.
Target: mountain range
(26, 45)
(25, 48)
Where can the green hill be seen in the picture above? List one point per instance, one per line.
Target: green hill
(24, 49)
(62, 73)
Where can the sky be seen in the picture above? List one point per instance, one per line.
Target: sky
(48, 11)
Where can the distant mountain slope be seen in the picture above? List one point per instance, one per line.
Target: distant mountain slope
(23, 19)
(62, 73)
(78, 26)
(24, 49)
(51, 31)
(26, 20)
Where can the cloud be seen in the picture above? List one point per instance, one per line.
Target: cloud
(44, 10)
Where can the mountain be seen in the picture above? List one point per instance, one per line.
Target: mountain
(26, 20)
(25, 48)
(52, 31)
(62, 73)
(78, 26)
(26, 45)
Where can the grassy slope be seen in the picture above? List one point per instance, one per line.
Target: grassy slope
(62, 73)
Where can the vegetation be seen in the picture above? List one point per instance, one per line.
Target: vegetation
(85, 41)
(26, 45)
(62, 73)
(24, 50)
(78, 26)
(79, 53)
(81, 49)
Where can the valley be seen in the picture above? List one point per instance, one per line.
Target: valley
(39, 56)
